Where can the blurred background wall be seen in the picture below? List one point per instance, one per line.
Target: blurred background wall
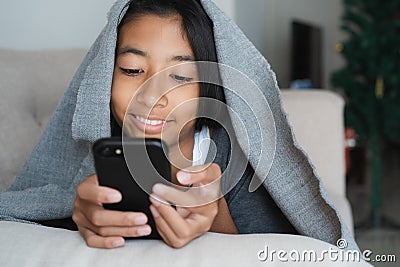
(49, 24)
(268, 24)
(44, 24)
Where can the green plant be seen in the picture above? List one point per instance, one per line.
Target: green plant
(370, 80)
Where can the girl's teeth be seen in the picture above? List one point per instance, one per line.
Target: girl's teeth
(149, 121)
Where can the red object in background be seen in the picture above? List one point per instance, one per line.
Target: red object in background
(350, 138)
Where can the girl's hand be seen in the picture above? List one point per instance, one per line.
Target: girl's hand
(196, 208)
(103, 228)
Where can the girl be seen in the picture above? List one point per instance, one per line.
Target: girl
(143, 38)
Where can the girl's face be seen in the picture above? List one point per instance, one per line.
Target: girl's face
(147, 45)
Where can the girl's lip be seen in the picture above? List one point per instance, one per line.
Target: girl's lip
(147, 127)
(151, 118)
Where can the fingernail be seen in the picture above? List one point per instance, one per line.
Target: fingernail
(154, 212)
(118, 243)
(183, 177)
(115, 197)
(155, 202)
(145, 230)
(141, 219)
(159, 189)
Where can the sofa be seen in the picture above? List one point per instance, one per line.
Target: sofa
(31, 84)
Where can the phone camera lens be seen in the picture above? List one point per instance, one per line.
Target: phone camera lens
(106, 152)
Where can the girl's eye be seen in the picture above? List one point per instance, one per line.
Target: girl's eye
(181, 79)
(132, 72)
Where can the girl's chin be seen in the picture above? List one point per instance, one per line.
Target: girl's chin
(165, 137)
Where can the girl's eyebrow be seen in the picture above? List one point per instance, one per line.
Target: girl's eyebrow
(135, 51)
(132, 50)
(182, 58)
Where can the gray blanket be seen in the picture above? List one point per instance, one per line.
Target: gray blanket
(45, 188)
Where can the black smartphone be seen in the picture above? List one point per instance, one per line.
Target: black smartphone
(132, 168)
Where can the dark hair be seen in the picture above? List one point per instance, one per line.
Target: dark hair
(198, 28)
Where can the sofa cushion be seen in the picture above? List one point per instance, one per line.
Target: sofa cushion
(30, 245)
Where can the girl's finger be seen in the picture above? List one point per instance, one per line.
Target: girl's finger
(172, 218)
(168, 194)
(99, 216)
(164, 230)
(90, 191)
(110, 231)
(202, 174)
(183, 212)
(194, 197)
(95, 241)
(135, 231)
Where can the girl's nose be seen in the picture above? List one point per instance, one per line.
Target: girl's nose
(153, 92)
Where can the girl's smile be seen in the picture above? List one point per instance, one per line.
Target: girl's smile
(151, 125)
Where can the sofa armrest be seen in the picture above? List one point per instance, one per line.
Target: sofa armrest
(316, 117)
(317, 120)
